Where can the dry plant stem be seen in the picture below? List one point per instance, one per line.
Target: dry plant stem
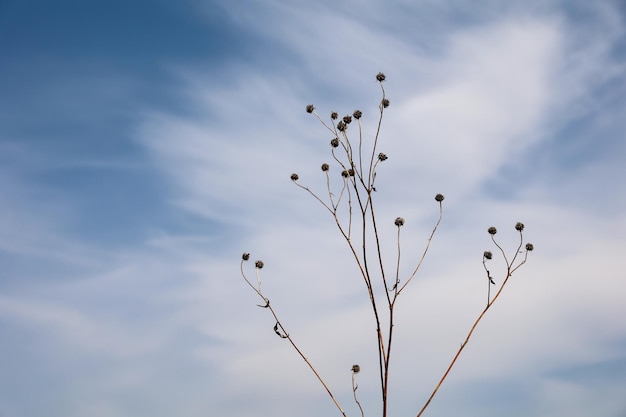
(356, 400)
(286, 335)
(370, 178)
(430, 238)
(509, 272)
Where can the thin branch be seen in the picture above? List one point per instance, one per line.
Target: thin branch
(355, 370)
(285, 335)
(430, 238)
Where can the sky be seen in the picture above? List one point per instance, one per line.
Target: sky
(145, 145)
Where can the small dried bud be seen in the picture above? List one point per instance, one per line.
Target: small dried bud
(334, 115)
(385, 103)
(334, 142)
(380, 77)
(245, 256)
(519, 226)
(294, 177)
(258, 264)
(351, 172)
(382, 157)
(529, 247)
(347, 119)
(310, 108)
(356, 369)
(357, 114)
(399, 221)
(341, 126)
(439, 197)
(487, 255)
(325, 167)
(492, 230)
(345, 173)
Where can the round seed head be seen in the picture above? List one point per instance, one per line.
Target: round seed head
(347, 119)
(399, 221)
(439, 197)
(382, 157)
(334, 115)
(357, 114)
(310, 108)
(334, 142)
(356, 369)
(519, 226)
(345, 173)
(258, 264)
(341, 126)
(325, 167)
(385, 103)
(487, 255)
(294, 177)
(245, 256)
(492, 230)
(529, 247)
(380, 77)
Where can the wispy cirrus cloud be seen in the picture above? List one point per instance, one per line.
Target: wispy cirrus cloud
(512, 112)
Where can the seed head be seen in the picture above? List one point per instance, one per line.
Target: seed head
(519, 226)
(382, 157)
(439, 197)
(487, 255)
(334, 115)
(356, 369)
(325, 167)
(310, 108)
(334, 142)
(399, 221)
(385, 103)
(347, 119)
(294, 177)
(345, 173)
(529, 247)
(357, 114)
(492, 230)
(341, 126)
(258, 264)
(245, 256)
(351, 172)
(380, 77)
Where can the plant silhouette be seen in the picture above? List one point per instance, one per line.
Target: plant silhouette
(352, 209)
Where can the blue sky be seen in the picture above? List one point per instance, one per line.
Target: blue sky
(145, 145)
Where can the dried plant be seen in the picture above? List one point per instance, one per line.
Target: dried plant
(352, 210)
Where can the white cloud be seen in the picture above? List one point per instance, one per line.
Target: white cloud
(486, 97)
